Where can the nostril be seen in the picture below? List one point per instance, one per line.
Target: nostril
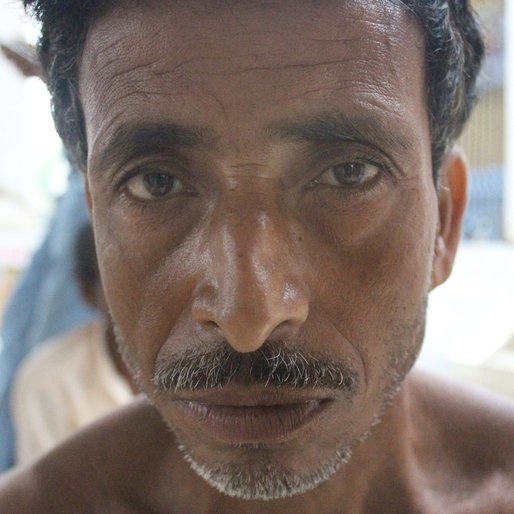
(211, 326)
(286, 328)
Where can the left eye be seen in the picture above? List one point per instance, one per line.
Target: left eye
(153, 185)
(349, 174)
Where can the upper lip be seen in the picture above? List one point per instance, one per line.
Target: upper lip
(240, 396)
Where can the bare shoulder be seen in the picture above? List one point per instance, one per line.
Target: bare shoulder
(90, 470)
(465, 438)
(19, 492)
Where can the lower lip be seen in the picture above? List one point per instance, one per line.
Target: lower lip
(252, 424)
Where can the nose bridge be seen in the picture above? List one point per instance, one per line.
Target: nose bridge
(249, 237)
(255, 287)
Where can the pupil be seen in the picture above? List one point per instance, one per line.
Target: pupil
(349, 173)
(158, 184)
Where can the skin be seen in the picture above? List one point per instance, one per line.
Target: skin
(259, 241)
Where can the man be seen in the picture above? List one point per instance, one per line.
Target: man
(273, 192)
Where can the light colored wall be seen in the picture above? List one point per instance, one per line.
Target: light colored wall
(30, 151)
(483, 137)
(509, 123)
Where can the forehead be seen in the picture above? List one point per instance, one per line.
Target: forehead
(238, 67)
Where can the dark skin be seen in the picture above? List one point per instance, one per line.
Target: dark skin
(294, 204)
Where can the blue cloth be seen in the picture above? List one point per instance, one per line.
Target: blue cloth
(46, 301)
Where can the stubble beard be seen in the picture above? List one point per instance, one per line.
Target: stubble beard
(268, 480)
(264, 481)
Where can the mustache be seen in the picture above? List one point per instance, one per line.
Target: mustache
(272, 365)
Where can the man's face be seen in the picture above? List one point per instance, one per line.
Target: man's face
(259, 175)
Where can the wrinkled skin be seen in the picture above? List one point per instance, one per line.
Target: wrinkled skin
(261, 173)
(256, 239)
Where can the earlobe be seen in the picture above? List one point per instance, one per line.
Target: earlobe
(452, 197)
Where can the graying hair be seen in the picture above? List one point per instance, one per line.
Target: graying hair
(272, 365)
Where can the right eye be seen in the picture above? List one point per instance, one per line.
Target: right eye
(153, 185)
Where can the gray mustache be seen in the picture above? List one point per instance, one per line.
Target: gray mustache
(272, 365)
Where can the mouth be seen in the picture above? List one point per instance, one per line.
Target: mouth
(260, 418)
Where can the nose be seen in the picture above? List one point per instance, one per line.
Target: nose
(252, 290)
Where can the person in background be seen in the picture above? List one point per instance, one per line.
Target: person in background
(74, 378)
(47, 300)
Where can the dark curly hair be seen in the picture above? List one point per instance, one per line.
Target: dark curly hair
(454, 52)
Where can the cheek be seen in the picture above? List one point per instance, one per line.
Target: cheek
(148, 274)
(376, 275)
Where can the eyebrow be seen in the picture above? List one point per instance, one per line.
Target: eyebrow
(133, 140)
(335, 127)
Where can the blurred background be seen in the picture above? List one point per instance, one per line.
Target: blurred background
(470, 333)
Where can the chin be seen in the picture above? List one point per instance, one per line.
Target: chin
(258, 473)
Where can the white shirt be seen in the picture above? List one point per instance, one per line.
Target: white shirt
(62, 385)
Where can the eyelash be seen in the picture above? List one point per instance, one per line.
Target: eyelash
(357, 190)
(342, 193)
(121, 185)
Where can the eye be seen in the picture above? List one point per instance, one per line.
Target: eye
(349, 174)
(154, 185)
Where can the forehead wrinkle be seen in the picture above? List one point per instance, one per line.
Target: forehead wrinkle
(158, 64)
(204, 21)
(137, 80)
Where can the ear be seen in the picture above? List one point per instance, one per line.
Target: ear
(452, 196)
